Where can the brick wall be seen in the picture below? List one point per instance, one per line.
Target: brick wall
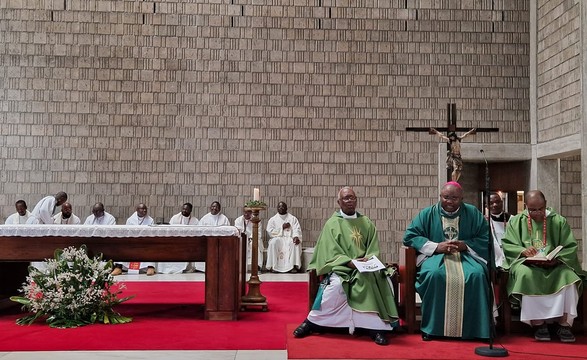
(559, 62)
(571, 196)
(164, 102)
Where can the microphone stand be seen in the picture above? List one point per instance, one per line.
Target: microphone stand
(489, 351)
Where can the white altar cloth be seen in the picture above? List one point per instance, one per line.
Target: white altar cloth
(117, 230)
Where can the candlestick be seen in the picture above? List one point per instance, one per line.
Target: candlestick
(256, 196)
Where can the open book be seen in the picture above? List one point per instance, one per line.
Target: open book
(539, 257)
(371, 265)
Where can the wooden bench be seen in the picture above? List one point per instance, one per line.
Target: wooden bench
(224, 257)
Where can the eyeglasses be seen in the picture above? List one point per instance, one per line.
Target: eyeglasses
(450, 198)
(536, 210)
(349, 198)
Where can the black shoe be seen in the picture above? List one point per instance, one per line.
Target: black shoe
(565, 335)
(542, 333)
(303, 330)
(426, 337)
(379, 338)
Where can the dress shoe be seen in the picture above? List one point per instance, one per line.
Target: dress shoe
(565, 335)
(303, 330)
(426, 337)
(542, 333)
(151, 271)
(379, 338)
(117, 271)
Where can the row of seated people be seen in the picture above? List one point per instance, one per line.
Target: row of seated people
(452, 278)
(284, 249)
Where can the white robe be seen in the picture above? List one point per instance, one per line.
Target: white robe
(178, 267)
(73, 220)
(107, 219)
(282, 253)
(498, 231)
(335, 311)
(211, 220)
(42, 214)
(214, 220)
(43, 211)
(179, 219)
(16, 219)
(239, 223)
(134, 219)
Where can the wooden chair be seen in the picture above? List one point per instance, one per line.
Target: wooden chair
(406, 296)
(510, 323)
(314, 282)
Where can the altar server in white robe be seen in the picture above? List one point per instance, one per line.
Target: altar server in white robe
(66, 216)
(184, 217)
(21, 215)
(140, 218)
(244, 224)
(213, 218)
(284, 250)
(43, 211)
(99, 216)
(43, 214)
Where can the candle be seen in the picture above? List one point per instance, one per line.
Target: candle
(256, 194)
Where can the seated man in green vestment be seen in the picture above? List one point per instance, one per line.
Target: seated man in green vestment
(348, 298)
(451, 238)
(547, 291)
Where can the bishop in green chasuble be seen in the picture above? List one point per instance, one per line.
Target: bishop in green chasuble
(452, 240)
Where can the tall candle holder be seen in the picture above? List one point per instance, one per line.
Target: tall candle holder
(254, 296)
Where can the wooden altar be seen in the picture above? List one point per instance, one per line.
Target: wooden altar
(220, 247)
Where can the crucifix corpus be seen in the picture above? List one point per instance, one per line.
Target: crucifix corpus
(454, 162)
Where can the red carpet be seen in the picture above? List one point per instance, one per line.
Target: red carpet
(168, 316)
(402, 346)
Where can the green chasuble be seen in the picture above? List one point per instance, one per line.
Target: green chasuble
(453, 288)
(342, 240)
(534, 280)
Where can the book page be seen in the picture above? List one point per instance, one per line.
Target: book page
(551, 255)
(371, 265)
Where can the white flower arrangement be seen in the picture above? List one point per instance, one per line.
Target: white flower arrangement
(73, 291)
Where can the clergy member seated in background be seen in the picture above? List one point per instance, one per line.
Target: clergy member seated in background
(139, 217)
(184, 217)
(99, 216)
(244, 224)
(499, 220)
(66, 216)
(451, 238)
(547, 291)
(213, 218)
(43, 211)
(348, 298)
(20, 216)
(284, 248)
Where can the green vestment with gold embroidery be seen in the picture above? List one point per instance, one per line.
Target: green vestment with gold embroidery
(345, 239)
(453, 288)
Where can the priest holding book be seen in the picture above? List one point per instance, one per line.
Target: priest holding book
(547, 291)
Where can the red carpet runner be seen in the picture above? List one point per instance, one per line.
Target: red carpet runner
(403, 346)
(168, 316)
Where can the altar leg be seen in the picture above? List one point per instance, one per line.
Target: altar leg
(223, 278)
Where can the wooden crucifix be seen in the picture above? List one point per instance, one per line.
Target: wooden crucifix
(454, 162)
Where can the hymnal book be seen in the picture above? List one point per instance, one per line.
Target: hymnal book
(371, 265)
(539, 257)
